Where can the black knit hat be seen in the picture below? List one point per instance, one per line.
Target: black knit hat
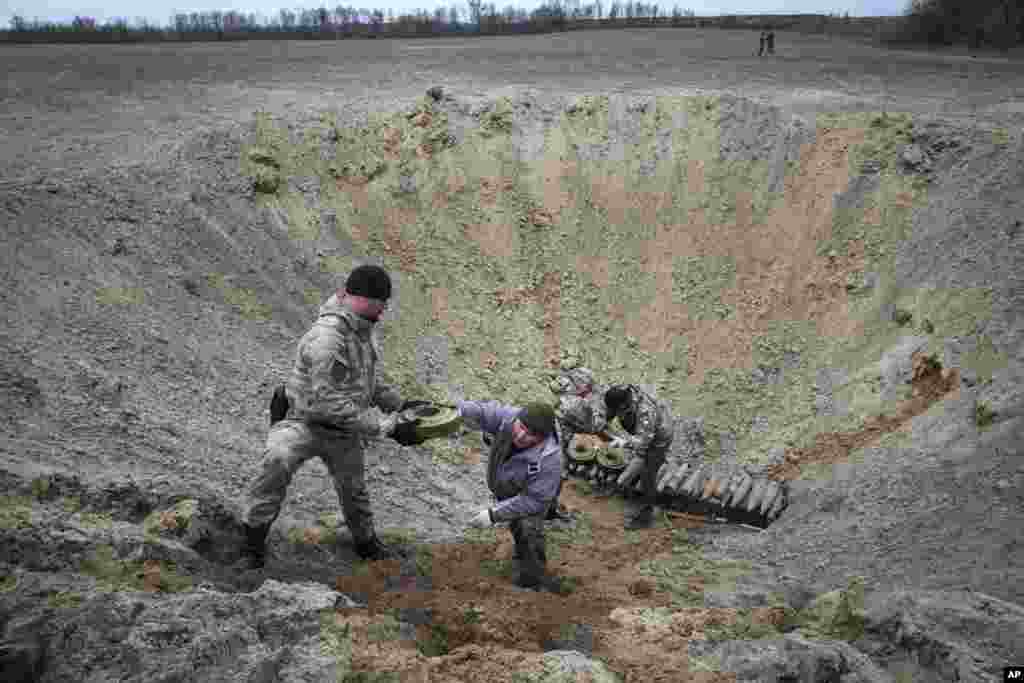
(369, 281)
(539, 418)
(616, 397)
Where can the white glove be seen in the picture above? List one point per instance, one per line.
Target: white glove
(388, 424)
(618, 442)
(481, 520)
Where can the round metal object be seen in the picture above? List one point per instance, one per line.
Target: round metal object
(435, 421)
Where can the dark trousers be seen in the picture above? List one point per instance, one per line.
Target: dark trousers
(528, 533)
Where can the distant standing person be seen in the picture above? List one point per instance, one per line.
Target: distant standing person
(760, 49)
(770, 39)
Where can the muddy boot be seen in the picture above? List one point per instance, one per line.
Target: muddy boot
(254, 552)
(374, 549)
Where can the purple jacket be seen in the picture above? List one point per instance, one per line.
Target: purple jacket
(525, 481)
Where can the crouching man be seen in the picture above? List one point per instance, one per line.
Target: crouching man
(524, 469)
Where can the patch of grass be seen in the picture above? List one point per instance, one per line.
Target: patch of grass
(120, 296)
(424, 560)
(742, 628)
(113, 575)
(699, 282)
(836, 615)
(436, 644)
(708, 663)
(399, 535)
(336, 642)
(245, 300)
(177, 518)
(488, 535)
(984, 416)
(15, 512)
(471, 615)
(97, 520)
(71, 504)
(501, 568)
(498, 119)
(902, 317)
(8, 583)
(579, 532)
(584, 487)
(687, 573)
(41, 487)
(64, 600)
(384, 630)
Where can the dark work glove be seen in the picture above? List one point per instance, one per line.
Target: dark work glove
(405, 433)
(412, 404)
(278, 405)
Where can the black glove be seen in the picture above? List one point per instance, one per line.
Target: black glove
(278, 405)
(412, 404)
(405, 433)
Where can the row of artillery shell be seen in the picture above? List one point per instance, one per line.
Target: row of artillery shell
(738, 490)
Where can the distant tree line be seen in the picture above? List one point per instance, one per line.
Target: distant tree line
(480, 16)
(977, 22)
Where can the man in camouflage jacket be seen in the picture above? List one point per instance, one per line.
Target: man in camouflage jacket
(580, 410)
(524, 468)
(650, 425)
(332, 386)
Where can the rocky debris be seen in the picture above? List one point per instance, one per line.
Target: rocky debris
(897, 365)
(576, 637)
(913, 159)
(943, 636)
(793, 659)
(273, 633)
(436, 93)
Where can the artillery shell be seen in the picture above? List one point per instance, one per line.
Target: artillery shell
(730, 488)
(664, 474)
(780, 503)
(694, 481)
(769, 497)
(631, 473)
(678, 476)
(741, 490)
(662, 471)
(710, 487)
(755, 494)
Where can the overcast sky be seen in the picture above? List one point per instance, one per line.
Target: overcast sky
(160, 11)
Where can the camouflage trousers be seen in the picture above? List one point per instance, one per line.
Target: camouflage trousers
(528, 534)
(643, 506)
(290, 444)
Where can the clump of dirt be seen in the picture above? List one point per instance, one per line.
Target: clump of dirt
(930, 383)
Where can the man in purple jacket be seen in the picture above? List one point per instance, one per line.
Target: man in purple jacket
(524, 469)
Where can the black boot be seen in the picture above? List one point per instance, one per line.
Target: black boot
(375, 549)
(254, 552)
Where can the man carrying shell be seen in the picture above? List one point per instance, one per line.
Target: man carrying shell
(650, 425)
(580, 410)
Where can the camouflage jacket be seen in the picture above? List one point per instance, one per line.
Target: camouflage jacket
(648, 420)
(579, 415)
(335, 379)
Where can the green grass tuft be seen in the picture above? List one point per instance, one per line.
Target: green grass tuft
(436, 644)
(64, 599)
(984, 416)
(15, 512)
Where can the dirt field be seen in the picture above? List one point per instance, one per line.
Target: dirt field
(748, 266)
(73, 107)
